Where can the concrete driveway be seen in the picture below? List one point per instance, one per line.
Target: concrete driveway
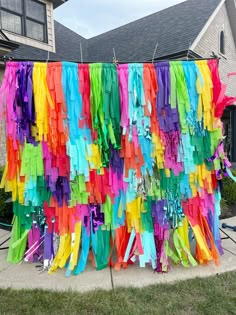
(27, 276)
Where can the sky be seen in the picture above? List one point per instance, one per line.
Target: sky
(92, 17)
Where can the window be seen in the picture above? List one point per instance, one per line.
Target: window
(11, 22)
(35, 30)
(12, 5)
(24, 17)
(222, 42)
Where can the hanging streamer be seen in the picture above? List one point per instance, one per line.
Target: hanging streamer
(105, 158)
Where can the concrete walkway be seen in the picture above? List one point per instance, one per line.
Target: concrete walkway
(26, 275)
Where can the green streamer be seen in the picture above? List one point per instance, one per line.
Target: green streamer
(19, 236)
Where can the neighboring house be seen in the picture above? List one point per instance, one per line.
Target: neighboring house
(191, 29)
(28, 23)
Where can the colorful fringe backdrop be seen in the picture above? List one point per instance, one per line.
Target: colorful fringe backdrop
(105, 158)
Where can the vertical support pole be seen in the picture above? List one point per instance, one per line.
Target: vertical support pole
(233, 126)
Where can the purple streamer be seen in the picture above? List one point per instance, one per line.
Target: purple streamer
(159, 214)
(48, 246)
(168, 117)
(60, 190)
(116, 162)
(24, 103)
(97, 216)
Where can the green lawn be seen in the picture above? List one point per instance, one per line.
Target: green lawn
(215, 295)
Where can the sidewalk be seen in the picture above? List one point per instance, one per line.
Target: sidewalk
(26, 275)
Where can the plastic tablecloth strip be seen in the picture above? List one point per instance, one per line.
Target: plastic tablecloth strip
(105, 158)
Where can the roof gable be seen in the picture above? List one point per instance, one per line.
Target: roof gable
(174, 29)
(3, 36)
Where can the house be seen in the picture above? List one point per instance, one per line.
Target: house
(6, 45)
(191, 29)
(30, 22)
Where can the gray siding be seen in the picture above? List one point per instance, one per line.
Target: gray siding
(210, 43)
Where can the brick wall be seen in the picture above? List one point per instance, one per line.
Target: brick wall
(210, 43)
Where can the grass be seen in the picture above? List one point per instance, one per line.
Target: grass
(214, 295)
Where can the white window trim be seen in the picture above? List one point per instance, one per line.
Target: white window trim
(25, 17)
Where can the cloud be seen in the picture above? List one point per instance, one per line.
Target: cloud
(93, 17)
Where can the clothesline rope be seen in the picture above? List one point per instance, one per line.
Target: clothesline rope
(110, 62)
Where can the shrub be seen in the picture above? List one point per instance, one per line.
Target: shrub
(226, 210)
(6, 213)
(229, 190)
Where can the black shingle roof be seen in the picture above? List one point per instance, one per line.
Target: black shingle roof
(173, 28)
(67, 47)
